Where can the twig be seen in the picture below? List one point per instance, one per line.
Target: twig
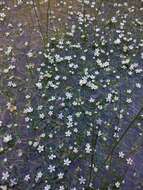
(38, 20)
(122, 136)
(48, 17)
(94, 142)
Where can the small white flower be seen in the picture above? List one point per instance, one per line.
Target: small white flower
(47, 187)
(91, 100)
(51, 168)
(129, 161)
(52, 156)
(41, 115)
(60, 116)
(8, 51)
(3, 187)
(83, 58)
(117, 184)
(7, 138)
(109, 98)
(27, 178)
(88, 148)
(39, 85)
(13, 182)
(129, 100)
(82, 180)
(121, 155)
(68, 95)
(5, 175)
(60, 175)
(75, 150)
(95, 169)
(113, 19)
(39, 175)
(138, 85)
(40, 148)
(99, 133)
(29, 54)
(117, 41)
(61, 187)
(68, 133)
(67, 162)
(28, 110)
(83, 81)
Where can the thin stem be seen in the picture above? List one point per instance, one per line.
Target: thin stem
(94, 142)
(48, 17)
(38, 20)
(122, 136)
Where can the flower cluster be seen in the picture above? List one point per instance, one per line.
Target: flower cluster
(74, 119)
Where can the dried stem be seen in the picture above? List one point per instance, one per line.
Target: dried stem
(122, 136)
(38, 20)
(48, 17)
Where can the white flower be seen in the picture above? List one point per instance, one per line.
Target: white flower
(129, 161)
(92, 85)
(95, 169)
(86, 2)
(35, 144)
(41, 115)
(82, 180)
(68, 133)
(88, 148)
(83, 81)
(28, 110)
(29, 54)
(5, 175)
(19, 2)
(75, 150)
(113, 19)
(99, 133)
(13, 182)
(83, 58)
(60, 175)
(121, 155)
(117, 184)
(3, 187)
(9, 49)
(67, 162)
(50, 113)
(68, 95)
(47, 187)
(109, 98)
(61, 187)
(39, 85)
(138, 85)
(60, 116)
(117, 41)
(27, 178)
(52, 156)
(40, 148)
(51, 168)
(39, 175)
(7, 138)
(91, 100)
(27, 96)
(129, 100)
(27, 119)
